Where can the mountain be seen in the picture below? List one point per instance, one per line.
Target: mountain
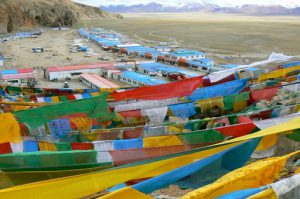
(203, 7)
(50, 13)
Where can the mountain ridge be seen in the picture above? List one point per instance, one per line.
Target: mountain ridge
(203, 7)
(49, 13)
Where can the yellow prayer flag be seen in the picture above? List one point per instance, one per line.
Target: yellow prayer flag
(161, 141)
(9, 128)
(254, 175)
(47, 146)
(126, 192)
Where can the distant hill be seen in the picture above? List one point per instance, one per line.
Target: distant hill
(203, 7)
(51, 13)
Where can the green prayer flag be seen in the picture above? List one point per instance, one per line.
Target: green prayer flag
(295, 135)
(94, 107)
(231, 99)
(207, 136)
(63, 146)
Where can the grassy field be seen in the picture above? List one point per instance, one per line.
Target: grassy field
(243, 37)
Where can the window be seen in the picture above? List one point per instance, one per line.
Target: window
(124, 78)
(129, 80)
(145, 71)
(204, 68)
(134, 82)
(73, 74)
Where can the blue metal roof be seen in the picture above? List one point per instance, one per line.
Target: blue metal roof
(145, 79)
(184, 52)
(101, 40)
(202, 62)
(156, 67)
(9, 72)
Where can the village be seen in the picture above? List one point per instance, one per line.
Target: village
(124, 64)
(108, 117)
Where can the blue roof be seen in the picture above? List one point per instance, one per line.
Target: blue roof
(102, 41)
(145, 79)
(202, 62)
(156, 67)
(297, 63)
(184, 52)
(9, 72)
(161, 46)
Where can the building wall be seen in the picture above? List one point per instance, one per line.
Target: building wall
(74, 74)
(130, 81)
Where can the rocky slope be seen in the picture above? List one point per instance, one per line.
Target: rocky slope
(16, 14)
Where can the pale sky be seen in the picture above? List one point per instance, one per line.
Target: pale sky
(286, 3)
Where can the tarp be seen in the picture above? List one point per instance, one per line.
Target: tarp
(179, 89)
(220, 90)
(95, 107)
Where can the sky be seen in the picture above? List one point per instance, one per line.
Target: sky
(232, 3)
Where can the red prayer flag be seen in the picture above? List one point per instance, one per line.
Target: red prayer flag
(134, 113)
(5, 148)
(263, 94)
(71, 97)
(81, 146)
(163, 91)
(237, 130)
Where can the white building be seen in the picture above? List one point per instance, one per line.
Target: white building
(73, 72)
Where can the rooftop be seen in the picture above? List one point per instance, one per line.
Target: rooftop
(184, 52)
(166, 68)
(98, 81)
(81, 67)
(145, 79)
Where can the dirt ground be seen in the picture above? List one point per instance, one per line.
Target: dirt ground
(56, 43)
(225, 38)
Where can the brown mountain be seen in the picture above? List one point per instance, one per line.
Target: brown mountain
(16, 14)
